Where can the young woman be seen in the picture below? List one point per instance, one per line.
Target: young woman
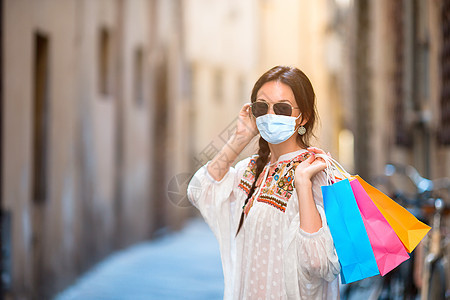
(267, 211)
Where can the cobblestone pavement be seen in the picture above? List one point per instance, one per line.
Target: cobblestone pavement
(180, 265)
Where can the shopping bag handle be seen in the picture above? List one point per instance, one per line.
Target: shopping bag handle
(332, 166)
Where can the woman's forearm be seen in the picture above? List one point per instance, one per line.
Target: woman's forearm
(223, 160)
(310, 220)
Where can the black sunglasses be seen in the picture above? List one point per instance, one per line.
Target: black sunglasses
(260, 108)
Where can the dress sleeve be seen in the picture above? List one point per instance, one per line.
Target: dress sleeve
(316, 254)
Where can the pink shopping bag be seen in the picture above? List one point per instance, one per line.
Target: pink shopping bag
(388, 249)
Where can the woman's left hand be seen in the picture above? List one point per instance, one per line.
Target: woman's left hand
(306, 170)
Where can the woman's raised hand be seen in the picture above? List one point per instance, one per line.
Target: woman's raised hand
(245, 130)
(246, 124)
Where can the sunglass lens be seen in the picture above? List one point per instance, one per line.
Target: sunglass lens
(282, 109)
(259, 109)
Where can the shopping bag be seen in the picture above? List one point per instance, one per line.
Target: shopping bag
(348, 231)
(388, 249)
(410, 230)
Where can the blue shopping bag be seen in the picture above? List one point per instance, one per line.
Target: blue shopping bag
(349, 234)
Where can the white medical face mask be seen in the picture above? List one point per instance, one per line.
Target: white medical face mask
(276, 129)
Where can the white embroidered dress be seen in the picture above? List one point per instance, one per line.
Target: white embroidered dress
(271, 258)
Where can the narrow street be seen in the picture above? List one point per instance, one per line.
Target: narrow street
(180, 265)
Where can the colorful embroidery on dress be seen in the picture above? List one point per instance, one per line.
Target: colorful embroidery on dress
(248, 177)
(278, 188)
(274, 201)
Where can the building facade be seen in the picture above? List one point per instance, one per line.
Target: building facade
(398, 85)
(93, 95)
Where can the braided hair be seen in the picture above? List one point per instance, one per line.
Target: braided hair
(304, 97)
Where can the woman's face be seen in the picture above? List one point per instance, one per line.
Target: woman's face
(274, 92)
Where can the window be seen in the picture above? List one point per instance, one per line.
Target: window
(104, 61)
(138, 80)
(40, 116)
(403, 134)
(444, 131)
(242, 95)
(218, 92)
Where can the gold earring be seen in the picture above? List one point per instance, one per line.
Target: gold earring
(301, 130)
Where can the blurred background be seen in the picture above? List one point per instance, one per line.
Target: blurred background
(109, 106)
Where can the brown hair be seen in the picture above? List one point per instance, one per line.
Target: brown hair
(306, 100)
